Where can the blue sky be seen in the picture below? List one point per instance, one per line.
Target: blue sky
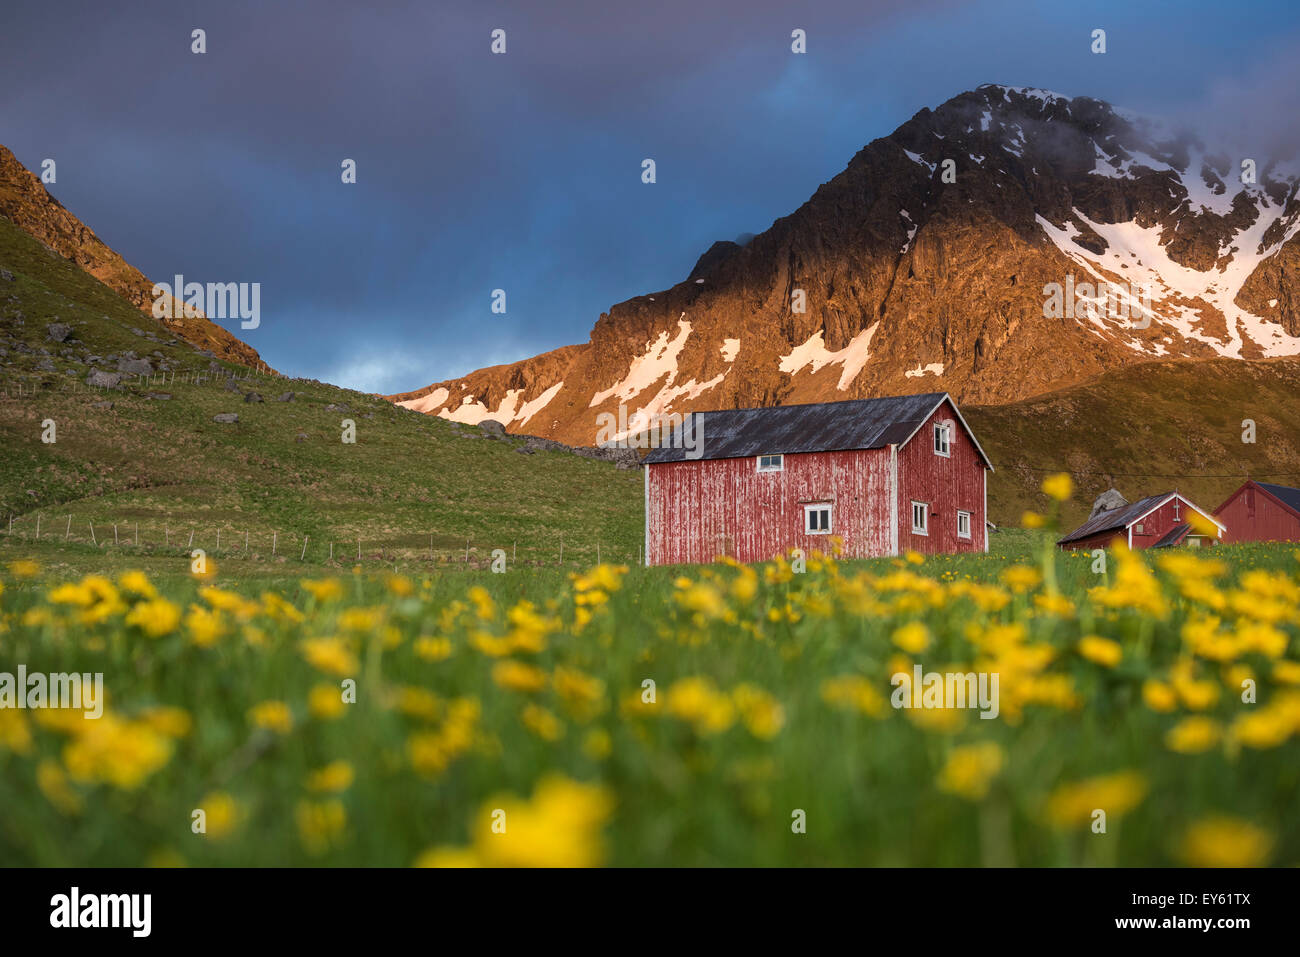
(522, 171)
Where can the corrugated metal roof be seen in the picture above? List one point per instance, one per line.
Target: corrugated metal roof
(1115, 518)
(1173, 536)
(1287, 495)
(820, 427)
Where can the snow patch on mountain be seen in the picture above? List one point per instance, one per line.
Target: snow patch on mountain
(471, 411)
(1135, 255)
(531, 408)
(658, 360)
(428, 403)
(814, 353)
(933, 368)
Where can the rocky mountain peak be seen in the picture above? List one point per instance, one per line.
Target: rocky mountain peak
(1007, 243)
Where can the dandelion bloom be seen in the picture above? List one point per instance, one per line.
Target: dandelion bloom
(1059, 486)
(559, 827)
(1101, 651)
(1072, 805)
(325, 702)
(333, 777)
(221, 815)
(272, 716)
(518, 676)
(320, 823)
(330, 655)
(912, 638)
(761, 713)
(1225, 841)
(699, 702)
(970, 770)
(542, 722)
(1192, 735)
(329, 589)
(156, 618)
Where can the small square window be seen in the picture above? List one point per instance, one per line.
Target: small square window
(1137, 529)
(963, 524)
(941, 437)
(771, 463)
(817, 519)
(920, 518)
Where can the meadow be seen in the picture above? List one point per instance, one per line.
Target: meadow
(433, 715)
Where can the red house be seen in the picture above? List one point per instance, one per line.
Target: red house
(1158, 521)
(1260, 512)
(884, 475)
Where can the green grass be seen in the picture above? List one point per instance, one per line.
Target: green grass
(682, 794)
(408, 482)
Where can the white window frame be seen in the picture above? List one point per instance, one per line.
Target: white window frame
(967, 516)
(778, 467)
(808, 510)
(924, 528)
(941, 428)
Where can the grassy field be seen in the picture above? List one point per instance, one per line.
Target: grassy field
(506, 719)
(163, 472)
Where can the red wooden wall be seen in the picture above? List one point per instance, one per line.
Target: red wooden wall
(947, 484)
(1253, 515)
(697, 510)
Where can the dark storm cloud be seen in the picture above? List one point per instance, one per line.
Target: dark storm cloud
(518, 171)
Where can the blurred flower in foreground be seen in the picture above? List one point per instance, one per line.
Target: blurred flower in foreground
(1223, 841)
(559, 827)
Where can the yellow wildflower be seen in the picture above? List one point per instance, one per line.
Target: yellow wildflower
(1059, 486)
(1101, 651)
(1192, 735)
(332, 778)
(518, 676)
(1224, 841)
(1072, 805)
(272, 715)
(330, 655)
(970, 770)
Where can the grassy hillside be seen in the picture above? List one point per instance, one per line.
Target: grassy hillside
(409, 483)
(1178, 424)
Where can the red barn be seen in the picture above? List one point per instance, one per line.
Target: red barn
(1260, 512)
(1158, 521)
(884, 475)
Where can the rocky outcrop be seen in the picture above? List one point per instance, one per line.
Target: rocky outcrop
(1106, 501)
(25, 202)
(925, 266)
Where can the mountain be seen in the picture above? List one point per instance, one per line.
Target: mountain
(26, 203)
(915, 283)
